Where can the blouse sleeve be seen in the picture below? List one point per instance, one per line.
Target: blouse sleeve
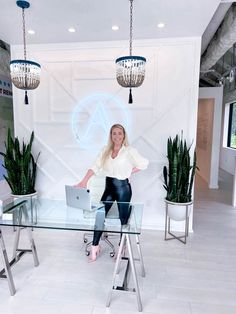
(97, 165)
(138, 161)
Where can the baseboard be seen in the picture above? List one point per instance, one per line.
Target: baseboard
(175, 226)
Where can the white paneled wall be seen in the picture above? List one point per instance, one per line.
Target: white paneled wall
(78, 82)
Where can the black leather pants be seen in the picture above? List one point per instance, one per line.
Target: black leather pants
(120, 191)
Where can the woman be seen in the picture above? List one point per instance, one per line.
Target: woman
(118, 161)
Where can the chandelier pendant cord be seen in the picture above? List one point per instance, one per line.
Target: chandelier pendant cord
(131, 28)
(24, 40)
(24, 44)
(130, 48)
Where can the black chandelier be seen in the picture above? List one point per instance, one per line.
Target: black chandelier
(25, 74)
(130, 70)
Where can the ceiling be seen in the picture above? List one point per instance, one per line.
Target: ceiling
(218, 62)
(223, 72)
(93, 19)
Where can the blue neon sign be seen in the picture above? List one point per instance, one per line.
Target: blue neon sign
(93, 117)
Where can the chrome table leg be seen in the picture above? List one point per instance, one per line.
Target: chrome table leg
(116, 269)
(143, 274)
(130, 262)
(7, 267)
(131, 258)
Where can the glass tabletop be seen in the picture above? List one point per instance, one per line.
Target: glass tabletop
(55, 214)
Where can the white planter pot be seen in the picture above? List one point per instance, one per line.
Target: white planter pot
(24, 195)
(177, 211)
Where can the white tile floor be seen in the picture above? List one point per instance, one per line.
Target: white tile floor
(197, 278)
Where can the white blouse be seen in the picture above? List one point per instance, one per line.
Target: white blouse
(121, 166)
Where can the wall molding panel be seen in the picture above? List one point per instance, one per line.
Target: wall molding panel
(78, 94)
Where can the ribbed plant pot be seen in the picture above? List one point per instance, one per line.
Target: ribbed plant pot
(177, 211)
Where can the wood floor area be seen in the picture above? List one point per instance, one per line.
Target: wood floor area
(196, 278)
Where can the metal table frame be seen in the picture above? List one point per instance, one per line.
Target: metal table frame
(17, 253)
(125, 242)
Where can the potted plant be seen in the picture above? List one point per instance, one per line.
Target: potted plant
(179, 177)
(21, 166)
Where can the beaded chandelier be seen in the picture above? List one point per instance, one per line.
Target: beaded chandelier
(130, 70)
(25, 74)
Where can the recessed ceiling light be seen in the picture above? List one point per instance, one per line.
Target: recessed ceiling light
(71, 30)
(160, 25)
(31, 32)
(115, 27)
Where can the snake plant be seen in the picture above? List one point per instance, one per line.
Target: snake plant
(179, 176)
(20, 165)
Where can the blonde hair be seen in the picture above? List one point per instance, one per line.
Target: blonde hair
(110, 144)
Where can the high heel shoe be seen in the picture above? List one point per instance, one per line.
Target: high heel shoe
(95, 251)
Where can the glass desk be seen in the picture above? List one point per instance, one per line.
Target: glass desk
(55, 214)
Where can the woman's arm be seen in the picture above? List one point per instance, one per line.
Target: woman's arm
(83, 183)
(93, 170)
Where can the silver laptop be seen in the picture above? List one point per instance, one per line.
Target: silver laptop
(79, 198)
